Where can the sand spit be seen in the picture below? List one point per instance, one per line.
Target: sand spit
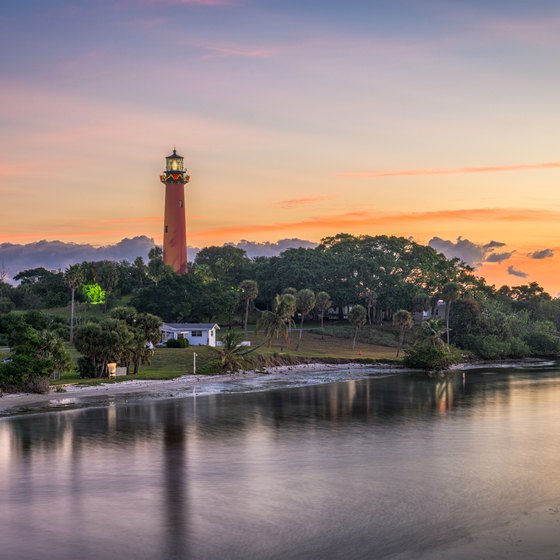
(190, 385)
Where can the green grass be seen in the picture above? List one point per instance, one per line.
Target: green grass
(169, 363)
(166, 363)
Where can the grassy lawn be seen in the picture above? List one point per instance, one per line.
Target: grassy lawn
(313, 346)
(169, 363)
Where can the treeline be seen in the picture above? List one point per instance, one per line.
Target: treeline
(385, 275)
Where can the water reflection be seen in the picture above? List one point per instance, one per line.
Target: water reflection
(391, 465)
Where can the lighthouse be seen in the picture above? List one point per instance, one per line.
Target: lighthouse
(174, 229)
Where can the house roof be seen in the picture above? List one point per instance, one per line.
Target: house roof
(189, 326)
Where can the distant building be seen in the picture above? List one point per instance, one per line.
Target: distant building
(438, 312)
(198, 334)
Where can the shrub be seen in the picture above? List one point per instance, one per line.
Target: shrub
(425, 355)
(542, 344)
(488, 347)
(85, 368)
(519, 348)
(177, 343)
(37, 384)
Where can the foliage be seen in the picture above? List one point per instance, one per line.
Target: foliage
(277, 323)
(228, 265)
(430, 352)
(233, 356)
(94, 293)
(305, 303)
(430, 357)
(36, 356)
(402, 319)
(357, 318)
(248, 292)
(177, 343)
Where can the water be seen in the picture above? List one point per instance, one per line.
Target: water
(394, 467)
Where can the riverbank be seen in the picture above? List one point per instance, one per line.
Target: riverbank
(75, 395)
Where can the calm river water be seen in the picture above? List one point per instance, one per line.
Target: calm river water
(394, 467)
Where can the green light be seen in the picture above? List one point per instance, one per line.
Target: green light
(94, 293)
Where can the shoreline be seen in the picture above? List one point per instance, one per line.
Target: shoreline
(273, 377)
(187, 385)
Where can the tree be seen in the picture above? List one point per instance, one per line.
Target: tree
(357, 318)
(277, 323)
(430, 352)
(229, 265)
(403, 319)
(107, 276)
(305, 302)
(370, 297)
(145, 329)
(249, 291)
(157, 269)
(322, 303)
(73, 277)
(233, 356)
(36, 356)
(101, 343)
(449, 293)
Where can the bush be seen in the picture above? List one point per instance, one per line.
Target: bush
(488, 347)
(425, 355)
(519, 348)
(177, 343)
(37, 384)
(85, 368)
(542, 344)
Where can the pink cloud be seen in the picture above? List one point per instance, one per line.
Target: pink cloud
(449, 170)
(303, 201)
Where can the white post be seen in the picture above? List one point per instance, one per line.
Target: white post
(194, 362)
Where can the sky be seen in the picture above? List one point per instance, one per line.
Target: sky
(436, 120)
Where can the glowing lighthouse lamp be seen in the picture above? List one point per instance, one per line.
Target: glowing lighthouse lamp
(174, 230)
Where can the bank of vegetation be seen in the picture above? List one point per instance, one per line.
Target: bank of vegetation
(350, 298)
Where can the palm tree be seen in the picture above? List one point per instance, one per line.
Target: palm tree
(358, 318)
(278, 321)
(322, 303)
(371, 301)
(249, 292)
(232, 354)
(305, 301)
(449, 293)
(403, 319)
(73, 277)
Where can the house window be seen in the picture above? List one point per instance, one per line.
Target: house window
(180, 204)
(196, 333)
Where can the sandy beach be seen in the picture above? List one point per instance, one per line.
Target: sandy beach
(190, 385)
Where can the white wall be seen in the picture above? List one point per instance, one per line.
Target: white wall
(208, 338)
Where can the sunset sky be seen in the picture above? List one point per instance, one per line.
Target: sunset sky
(429, 119)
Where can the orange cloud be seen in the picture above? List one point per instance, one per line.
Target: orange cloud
(303, 201)
(363, 218)
(450, 170)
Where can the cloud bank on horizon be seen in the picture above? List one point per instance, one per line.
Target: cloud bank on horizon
(58, 255)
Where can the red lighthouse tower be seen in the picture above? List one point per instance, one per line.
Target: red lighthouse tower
(174, 231)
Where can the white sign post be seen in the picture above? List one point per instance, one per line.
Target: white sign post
(194, 362)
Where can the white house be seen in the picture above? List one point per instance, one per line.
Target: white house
(198, 334)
